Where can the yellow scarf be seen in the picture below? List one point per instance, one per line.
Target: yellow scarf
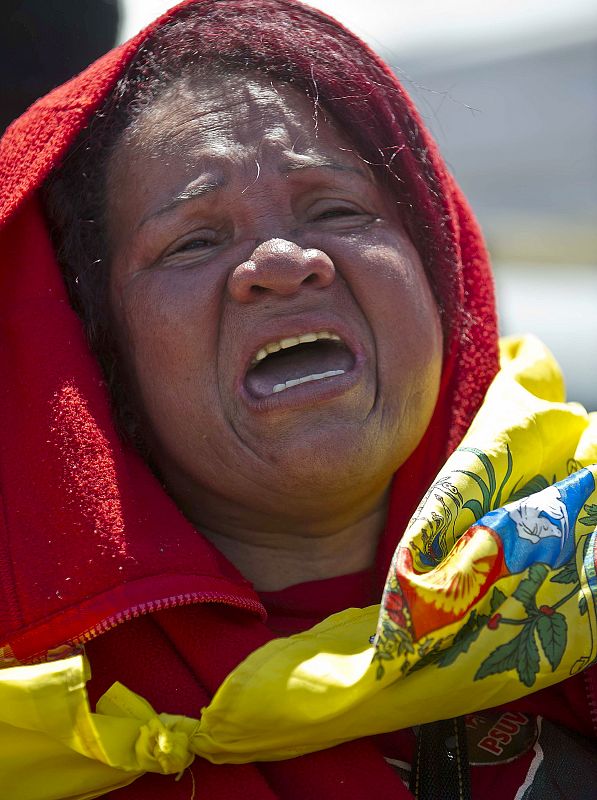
(492, 594)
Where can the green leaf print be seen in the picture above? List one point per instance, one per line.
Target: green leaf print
(497, 598)
(591, 518)
(568, 573)
(528, 655)
(498, 498)
(520, 653)
(536, 484)
(490, 492)
(526, 590)
(502, 659)
(431, 657)
(475, 507)
(582, 604)
(485, 490)
(463, 639)
(552, 630)
(489, 468)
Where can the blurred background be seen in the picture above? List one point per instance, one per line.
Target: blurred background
(45, 42)
(509, 89)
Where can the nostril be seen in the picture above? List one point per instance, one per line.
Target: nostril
(312, 278)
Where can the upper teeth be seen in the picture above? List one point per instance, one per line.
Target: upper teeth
(292, 341)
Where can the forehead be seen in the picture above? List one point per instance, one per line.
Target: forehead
(232, 120)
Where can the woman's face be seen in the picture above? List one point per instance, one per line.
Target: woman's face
(281, 338)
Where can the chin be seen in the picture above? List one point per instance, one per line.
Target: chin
(336, 462)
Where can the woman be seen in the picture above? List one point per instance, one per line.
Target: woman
(294, 314)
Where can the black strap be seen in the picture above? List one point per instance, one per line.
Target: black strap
(441, 770)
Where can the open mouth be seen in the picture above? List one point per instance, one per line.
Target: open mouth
(293, 361)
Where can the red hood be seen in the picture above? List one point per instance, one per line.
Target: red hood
(87, 535)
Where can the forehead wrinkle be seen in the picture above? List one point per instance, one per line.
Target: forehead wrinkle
(225, 114)
(227, 102)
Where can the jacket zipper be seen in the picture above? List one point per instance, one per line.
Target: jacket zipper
(150, 607)
(139, 610)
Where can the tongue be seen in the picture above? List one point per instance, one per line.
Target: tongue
(296, 362)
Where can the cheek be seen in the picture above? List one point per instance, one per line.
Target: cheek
(412, 323)
(165, 325)
(407, 330)
(417, 323)
(391, 286)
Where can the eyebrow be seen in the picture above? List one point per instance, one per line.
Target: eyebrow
(201, 190)
(192, 193)
(319, 163)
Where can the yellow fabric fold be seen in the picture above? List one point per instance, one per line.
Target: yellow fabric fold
(492, 594)
(49, 747)
(155, 743)
(53, 746)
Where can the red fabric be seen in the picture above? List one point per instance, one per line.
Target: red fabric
(88, 538)
(300, 607)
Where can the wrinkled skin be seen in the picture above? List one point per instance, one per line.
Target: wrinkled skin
(239, 216)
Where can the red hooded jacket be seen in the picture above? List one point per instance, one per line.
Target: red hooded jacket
(91, 547)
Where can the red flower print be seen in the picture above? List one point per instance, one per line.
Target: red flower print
(395, 608)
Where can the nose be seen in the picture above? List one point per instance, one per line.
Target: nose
(280, 267)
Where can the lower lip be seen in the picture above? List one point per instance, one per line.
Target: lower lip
(307, 394)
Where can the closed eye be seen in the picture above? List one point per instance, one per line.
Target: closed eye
(332, 213)
(199, 242)
(190, 252)
(193, 244)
